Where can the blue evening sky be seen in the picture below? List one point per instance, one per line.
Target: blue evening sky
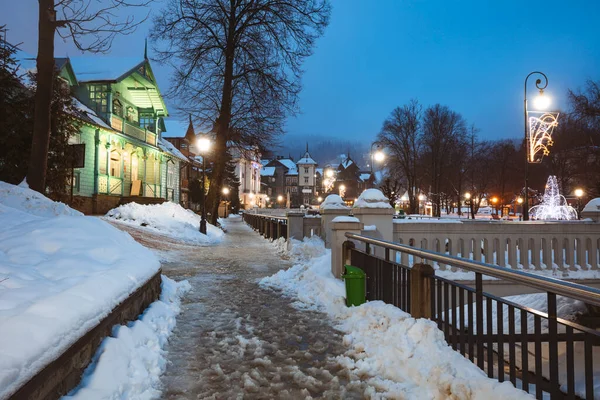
(472, 56)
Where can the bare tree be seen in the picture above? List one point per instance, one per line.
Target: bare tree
(442, 130)
(391, 187)
(91, 25)
(238, 66)
(401, 134)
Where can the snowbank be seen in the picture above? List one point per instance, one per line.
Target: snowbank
(60, 274)
(399, 356)
(593, 205)
(372, 198)
(333, 202)
(168, 219)
(128, 364)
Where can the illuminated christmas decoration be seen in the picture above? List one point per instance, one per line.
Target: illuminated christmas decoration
(540, 135)
(554, 206)
(329, 180)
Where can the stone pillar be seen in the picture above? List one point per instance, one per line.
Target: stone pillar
(295, 225)
(338, 237)
(381, 219)
(327, 215)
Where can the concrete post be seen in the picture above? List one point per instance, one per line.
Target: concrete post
(295, 225)
(381, 219)
(338, 237)
(420, 290)
(327, 215)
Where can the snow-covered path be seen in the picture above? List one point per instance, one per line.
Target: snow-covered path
(234, 339)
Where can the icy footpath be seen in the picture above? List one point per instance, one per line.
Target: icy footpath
(399, 356)
(60, 274)
(128, 364)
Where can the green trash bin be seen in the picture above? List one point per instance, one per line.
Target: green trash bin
(355, 285)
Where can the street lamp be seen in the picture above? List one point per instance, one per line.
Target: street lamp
(421, 198)
(495, 202)
(225, 192)
(468, 198)
(379, 156)
(540, 102)
(320, 199)
(203, 145)
(579, 194)
(329, 173)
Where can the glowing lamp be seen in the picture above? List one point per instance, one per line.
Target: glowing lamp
(329, 173)
(579, 192)
(280, 198)
(467, 195)
(379, 156)
(225, 191)
(541, 101)
(203, 145)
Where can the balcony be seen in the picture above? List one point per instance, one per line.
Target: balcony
(129, 129)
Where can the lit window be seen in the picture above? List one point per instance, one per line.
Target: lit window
(147, 121)
(99, 97)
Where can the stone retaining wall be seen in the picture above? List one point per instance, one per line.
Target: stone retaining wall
(64, 373)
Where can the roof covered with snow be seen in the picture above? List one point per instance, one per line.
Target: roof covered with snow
(267, 171)
(365, 176)
(100, 68)
(346, 163)
(306, 160)
(168, 147)
(290, 165)
(372, 198)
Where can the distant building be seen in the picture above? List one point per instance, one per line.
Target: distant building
(248, 170)
(307, 178)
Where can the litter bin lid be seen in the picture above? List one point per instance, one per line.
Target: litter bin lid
(353, 272)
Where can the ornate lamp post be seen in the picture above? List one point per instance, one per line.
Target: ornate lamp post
(203, 145)
(541, 102)
(579, 195)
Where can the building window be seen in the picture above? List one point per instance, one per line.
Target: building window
(115, 164)
(170, 175)
(117, 108)
(306, 179)
(306, 170)
(147, 121)
(99, 98)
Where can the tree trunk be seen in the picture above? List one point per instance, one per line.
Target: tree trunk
(36, 174)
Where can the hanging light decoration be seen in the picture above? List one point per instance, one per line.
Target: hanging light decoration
(540, 135)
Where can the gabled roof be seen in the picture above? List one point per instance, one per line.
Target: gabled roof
(267, 171)
(347, 162)
(365, 176)
(105, 69)
(306, 160)
(168, 147)
(290, 165)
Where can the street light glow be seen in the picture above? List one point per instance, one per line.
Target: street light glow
(251, 195)
(319, 199)
(494, 200)
(467, 195)
(379, 156)
(421, 197)
(280, 198)
(226, 191)
(579, 192)
(520, 200)
(203, 144)
(541, 101)
(329, 173)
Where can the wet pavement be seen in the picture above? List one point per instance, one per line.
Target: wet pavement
(234, 340)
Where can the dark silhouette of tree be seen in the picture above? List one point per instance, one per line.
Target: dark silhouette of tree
(92, 26)
(401, 135)
(238, 66)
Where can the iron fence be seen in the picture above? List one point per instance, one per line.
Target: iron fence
(534, 349)
(271, 227)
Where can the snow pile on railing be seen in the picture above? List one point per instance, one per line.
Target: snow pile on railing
(399, 356)
(61, 273)
(129, 363)
(372, 198)
(168, 219)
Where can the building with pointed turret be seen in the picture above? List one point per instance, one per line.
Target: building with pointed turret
(307, 178)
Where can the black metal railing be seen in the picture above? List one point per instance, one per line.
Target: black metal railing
(536, 350)
(271, 227)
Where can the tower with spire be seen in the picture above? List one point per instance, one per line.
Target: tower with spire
(307, 180)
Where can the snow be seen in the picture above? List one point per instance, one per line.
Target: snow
(168, 147)
(307, 159)
(290, 165)
(168, 219)
(365, 176)
(409, 220)
(128, 364)
(593, 205)
(370, 228)
(90, 69)
(400, 356)
(372, 198)
(90, 114)
(267, 171)
(61, 273)
(333, 202)
(345, 218)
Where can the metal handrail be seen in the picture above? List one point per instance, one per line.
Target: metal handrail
(575, 291)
